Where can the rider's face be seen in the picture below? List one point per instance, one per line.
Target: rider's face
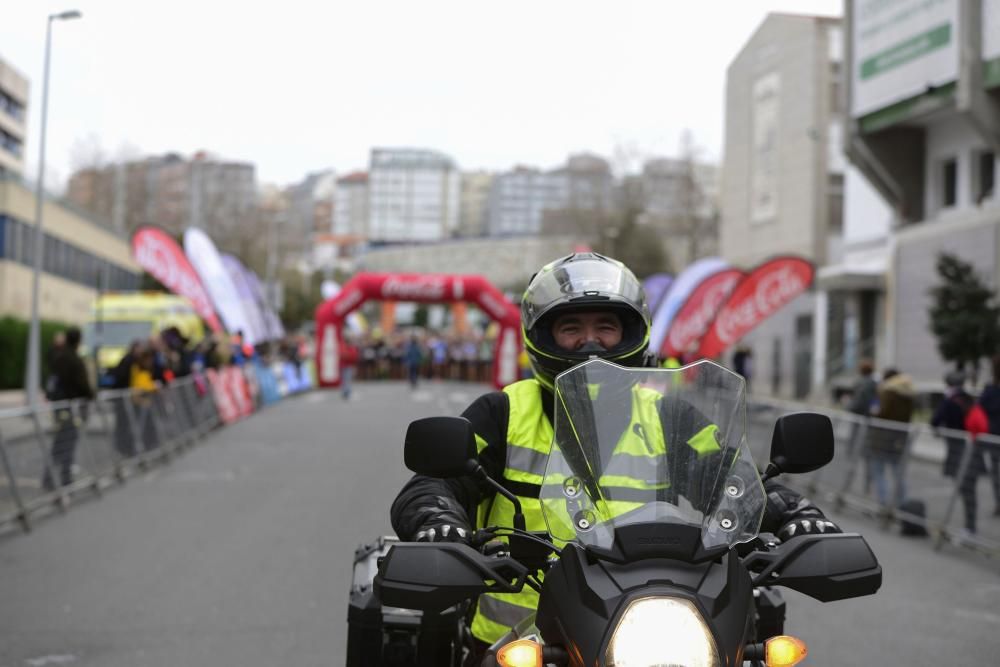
(573, 330)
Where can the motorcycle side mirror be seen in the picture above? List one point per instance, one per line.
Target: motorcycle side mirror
(802, 442)
(440, 446)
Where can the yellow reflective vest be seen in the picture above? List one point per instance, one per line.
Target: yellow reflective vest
(529, 440)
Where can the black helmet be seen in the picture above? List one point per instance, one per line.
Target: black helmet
(580, 282)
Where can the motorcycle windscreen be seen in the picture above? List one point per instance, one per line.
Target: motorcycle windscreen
(641, 444)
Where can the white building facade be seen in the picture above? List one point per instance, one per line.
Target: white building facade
(350, 205)
(924, 102)
(474, 204)
(783, 182)
(413, 195)
(520, 197)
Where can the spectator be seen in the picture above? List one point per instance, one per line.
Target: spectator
(383, 365)
(238, 349)
(58, 340)
(161, 369)
(177, 355)
(455, 359)
(485, 359)
(206, 354)
(864, 393)
(70, 382)
(121, 375)
(743, 364)
(864, 396)
(349, 356)
(439, 357)
(51, 382)
(989, 400)
(886, 444)
(413, 358)
(470, 360)
(953, 414)
(368, 362)
(143, 384)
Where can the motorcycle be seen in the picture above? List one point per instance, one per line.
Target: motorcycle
(659, 562)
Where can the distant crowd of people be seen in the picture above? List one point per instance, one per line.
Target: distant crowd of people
(416, 356)
(147, 366)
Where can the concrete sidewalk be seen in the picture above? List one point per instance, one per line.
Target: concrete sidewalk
(13, 398)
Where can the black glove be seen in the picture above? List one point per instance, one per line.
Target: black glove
(808, 526)
(444, 532)
(444, 522)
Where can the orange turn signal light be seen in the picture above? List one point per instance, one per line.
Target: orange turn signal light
(522, 653)
(784, 651)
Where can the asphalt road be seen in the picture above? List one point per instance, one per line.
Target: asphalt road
(239, 553)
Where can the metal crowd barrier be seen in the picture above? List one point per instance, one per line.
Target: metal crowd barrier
(67, 450)
(879, 465)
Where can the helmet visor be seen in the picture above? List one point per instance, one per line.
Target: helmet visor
(597, 280)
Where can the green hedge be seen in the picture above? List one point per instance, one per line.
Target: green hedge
(14, 349)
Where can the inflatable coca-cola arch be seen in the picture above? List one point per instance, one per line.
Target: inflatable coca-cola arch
(420, 288)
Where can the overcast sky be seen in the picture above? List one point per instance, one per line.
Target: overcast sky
(300, 86)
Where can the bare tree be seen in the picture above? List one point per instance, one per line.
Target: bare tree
(679, 203)
(696, 221)
(620, 228)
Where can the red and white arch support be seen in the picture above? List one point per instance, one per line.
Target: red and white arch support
(420, 288)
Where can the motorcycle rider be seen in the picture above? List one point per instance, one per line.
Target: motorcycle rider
(577, 307)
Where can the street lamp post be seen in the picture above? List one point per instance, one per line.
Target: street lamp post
(33, 372)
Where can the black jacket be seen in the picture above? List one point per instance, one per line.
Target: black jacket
(71, 376)
(990, 402)
(456, 500)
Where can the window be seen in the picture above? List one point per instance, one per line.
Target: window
(985, 168)
(23, 237)
(11, 106)
(11, 143)
(949, 183)
(836, 88)
(835, 202)
(60, 258)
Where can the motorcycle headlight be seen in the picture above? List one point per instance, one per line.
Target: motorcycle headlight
(658, 631)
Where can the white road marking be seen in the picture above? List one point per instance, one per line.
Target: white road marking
(205, 476)
(25, 482)
(978, 615)
(64, 659)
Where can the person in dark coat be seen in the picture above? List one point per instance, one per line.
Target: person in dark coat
(121, 376)
(413, 357)
(989, 400)
(70, 382)
(743, 364)
(951, 414)
(887, 444)
(864, 395)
